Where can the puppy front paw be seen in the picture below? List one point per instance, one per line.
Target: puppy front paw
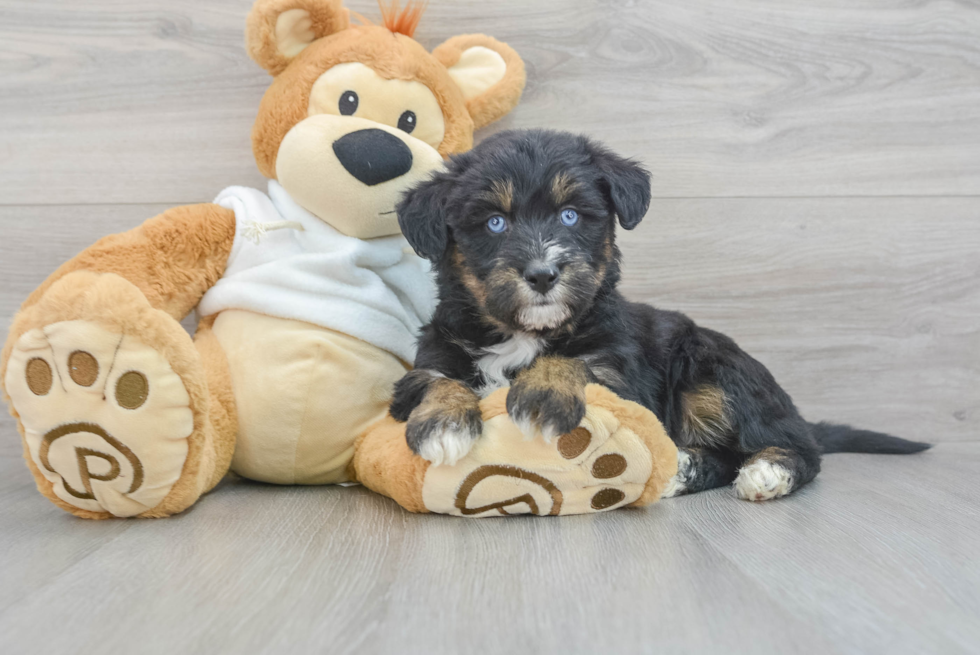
(548, 398)
(443, 428)
(442, 442)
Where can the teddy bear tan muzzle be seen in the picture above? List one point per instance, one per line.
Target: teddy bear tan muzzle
(351, 172)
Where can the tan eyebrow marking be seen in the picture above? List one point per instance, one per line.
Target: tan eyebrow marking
(562, 187)
(502, 194)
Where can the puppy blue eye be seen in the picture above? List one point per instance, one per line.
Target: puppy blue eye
(569, 217)
(497, 224)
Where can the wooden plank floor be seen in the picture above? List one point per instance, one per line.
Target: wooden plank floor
(878, 555)
(817, 181)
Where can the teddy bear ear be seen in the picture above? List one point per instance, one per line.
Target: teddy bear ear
(489, 73)
(278, 30)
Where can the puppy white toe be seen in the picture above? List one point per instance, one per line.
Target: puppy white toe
(531, 430)
(447, 447)
(526, 426)
(763, 480)
(677, 486)
(549, 432)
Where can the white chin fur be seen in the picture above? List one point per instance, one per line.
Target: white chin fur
(763, 480)
(447, 447)
(540, 317)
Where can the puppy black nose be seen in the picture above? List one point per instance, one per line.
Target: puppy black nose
(373, 156)
(541, 278)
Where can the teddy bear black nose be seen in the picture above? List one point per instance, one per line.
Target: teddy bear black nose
(373, 156)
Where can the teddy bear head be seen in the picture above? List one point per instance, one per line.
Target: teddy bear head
(358, 113)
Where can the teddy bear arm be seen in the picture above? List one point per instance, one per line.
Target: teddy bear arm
(173, 258)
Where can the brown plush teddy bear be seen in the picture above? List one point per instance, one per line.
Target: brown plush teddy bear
(309, 302)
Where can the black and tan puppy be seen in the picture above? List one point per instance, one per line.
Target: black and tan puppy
(521, 233)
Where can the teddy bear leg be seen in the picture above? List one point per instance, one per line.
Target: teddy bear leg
(619, 456)
(222, 415)
(112, 400)
(383, 463)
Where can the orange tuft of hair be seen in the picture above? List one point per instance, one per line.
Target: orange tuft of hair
(402, 21)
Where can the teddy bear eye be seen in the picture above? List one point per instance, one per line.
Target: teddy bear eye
(407, 121)
(348, 103)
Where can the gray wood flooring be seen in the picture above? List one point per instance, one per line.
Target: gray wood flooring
(817, 183)
(877, 556)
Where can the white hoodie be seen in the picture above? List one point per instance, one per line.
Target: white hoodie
(287, 263)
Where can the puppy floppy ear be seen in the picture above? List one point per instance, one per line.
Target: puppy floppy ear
(629, 186)
(489, 73)
(278, 30)
(422, 217)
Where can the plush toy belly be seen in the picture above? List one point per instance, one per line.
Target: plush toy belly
(303, 394)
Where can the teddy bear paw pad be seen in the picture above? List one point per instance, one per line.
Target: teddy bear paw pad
(601, 465)
(105, 417)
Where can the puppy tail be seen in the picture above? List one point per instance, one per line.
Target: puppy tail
(835, 438)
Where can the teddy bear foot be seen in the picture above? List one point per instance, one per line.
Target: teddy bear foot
(603, 464)
(105, 418)
(618, 456)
